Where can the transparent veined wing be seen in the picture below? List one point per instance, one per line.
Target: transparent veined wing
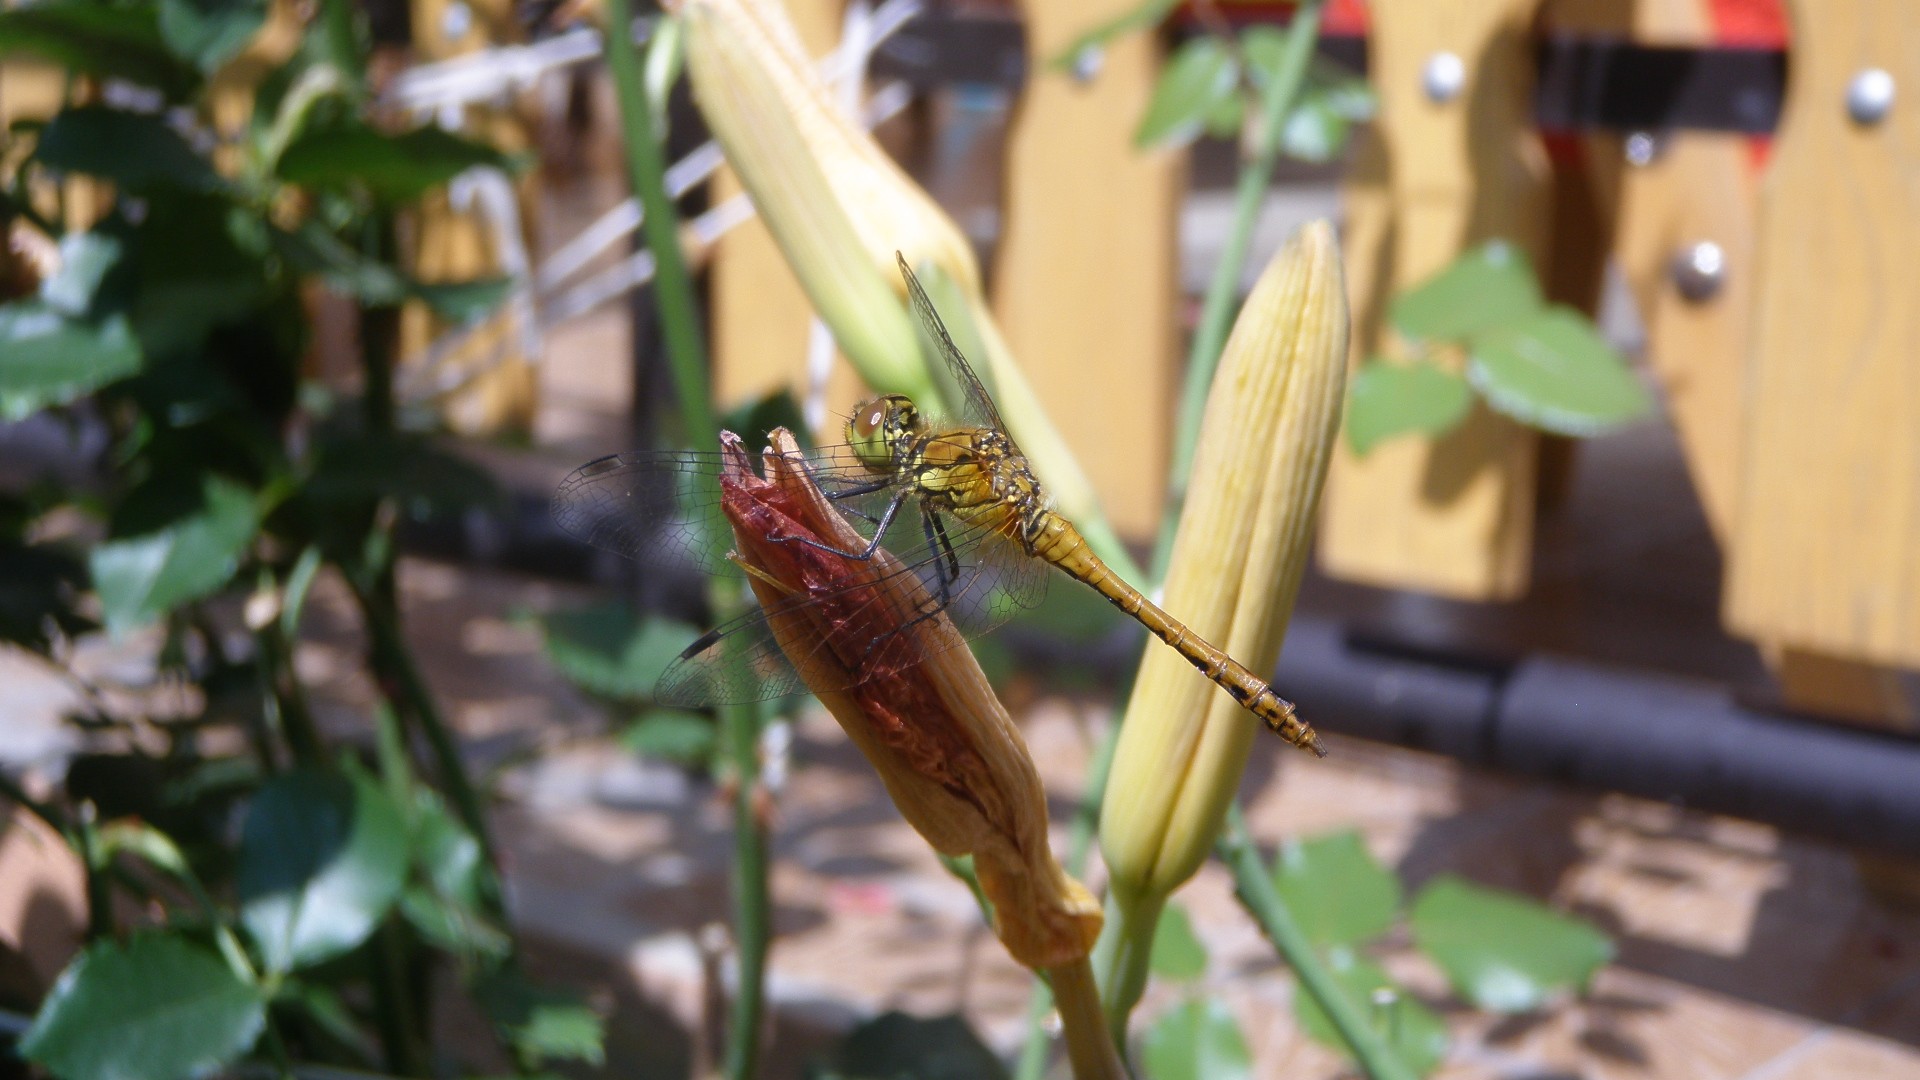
(976, 405)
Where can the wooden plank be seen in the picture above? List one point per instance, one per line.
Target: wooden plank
(761, 318)
(1827, 544)
(1450, 515)
(1086, 275)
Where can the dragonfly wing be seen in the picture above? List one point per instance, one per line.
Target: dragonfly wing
(658, 507)
(976, 405)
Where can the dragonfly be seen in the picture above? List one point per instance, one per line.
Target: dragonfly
(956, 504)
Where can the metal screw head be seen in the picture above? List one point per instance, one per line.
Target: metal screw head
(1443, 77)
(1642, 148)
(1699, 271)
(455, 21)
(1870, 96)
(1088, 62)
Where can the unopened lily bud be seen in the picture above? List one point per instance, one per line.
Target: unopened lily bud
(840, 209)
(1267, 436)
(910, 695)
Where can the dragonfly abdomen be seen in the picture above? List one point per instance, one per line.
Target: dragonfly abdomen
(1056, 540)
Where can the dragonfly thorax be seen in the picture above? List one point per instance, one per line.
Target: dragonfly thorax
(880, 431)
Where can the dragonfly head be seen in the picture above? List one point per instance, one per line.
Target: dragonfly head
(880, 425)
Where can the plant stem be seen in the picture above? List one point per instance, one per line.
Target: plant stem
(752, 924)
(1089, 1049)
(687, 363)
(1253, 885)
(672, 287)
(1080, 837)
(1223, 290)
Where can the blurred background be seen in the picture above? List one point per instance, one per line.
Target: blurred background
(1614, 608)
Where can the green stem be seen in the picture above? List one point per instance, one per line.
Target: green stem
(687, 363)
(752, 903)
(393, 1004)
(672, 287)
(1223, 290)
(99, 889)
(1253, 884)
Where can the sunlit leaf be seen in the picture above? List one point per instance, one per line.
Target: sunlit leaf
(1411, 1030)
(1552, 370)
(541, 1023)
(1196, 1040)
(1142, 16)
(347, 155)
(612, 651)
(1335, 889)
(322, 859)
(156, 1008)
(463, 302)
(141, 577)
(209, 32)
(1386, 399)
(87, 260)
(1177, 951)
(1491, 285)
(47, 358)
(1201, 74)
(671, 735)
(1502, 951)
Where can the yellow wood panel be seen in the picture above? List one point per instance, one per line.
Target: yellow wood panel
(1827, 544)
(502, 392)
(1085, 281)
(1451, 515)
(760, 315)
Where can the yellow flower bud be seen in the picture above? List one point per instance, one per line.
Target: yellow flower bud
(1267, 436)
(840, 209)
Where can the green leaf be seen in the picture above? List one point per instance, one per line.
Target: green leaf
(1197, 1040)
(86, 37)
(1335, 889)
(139, 578)
(1502, 951)
(157, 1008)
(671, 735)
(1177, 951)
(1416, 1036)
(210, 32)
(312, 250)
(362, 467)
(1317, 128)
(322, 858)
(87, 259)
(1142, 16)
(137, 151)
(610, 651)
(203, 262)
(541, 1023)
(1491, 285)
(1201, 75)
(454, 927)
(1552, 370)
(47, 358)
(346, 155)
(665, 58)
(1387, 399)
(895, 1045)
(463, 302)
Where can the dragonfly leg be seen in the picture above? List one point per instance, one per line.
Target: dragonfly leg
(879, 532)
(947, 569)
